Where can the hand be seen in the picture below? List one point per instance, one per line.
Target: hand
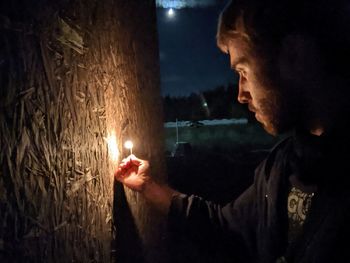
(133, 173)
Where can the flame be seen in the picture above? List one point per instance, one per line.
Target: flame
(112, 146)
(128, 145)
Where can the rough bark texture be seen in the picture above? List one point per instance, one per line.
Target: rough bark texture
(72, 72)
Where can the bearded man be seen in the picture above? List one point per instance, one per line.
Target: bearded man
(292, 60)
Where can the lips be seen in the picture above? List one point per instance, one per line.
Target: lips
(251, 108)
(256, 113)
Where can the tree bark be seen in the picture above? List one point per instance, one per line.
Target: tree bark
(72, 73)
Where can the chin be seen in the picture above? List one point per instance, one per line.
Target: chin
(277, 128)
(272, 127)
(271, 130)
(276, 122)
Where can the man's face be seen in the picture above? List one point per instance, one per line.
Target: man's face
(256, 90)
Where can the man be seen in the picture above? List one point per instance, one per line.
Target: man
(291, 57)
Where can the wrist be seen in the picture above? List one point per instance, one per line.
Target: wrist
(148, 185)
(159, 195)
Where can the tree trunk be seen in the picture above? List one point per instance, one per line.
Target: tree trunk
(71, 74)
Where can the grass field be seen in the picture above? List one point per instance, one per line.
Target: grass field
(222, 138)
(222, 160)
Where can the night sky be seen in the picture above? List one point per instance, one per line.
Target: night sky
(189, 58)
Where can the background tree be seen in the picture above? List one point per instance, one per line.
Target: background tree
(217, 103)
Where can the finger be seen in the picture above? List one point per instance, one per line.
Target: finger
(118, 174)
(123, 165)
(124, 169)
(125, 160)
(135, 160)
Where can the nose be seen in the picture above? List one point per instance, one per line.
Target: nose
(243, 93)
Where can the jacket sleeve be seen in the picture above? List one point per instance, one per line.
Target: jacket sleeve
(205, 220)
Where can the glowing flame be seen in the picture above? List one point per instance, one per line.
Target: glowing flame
(112, 146)
(129, 145)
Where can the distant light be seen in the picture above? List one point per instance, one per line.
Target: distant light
(205, 104)
(112, 146)
(171, 12)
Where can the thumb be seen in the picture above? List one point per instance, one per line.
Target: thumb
(118, 174)
(134, 160)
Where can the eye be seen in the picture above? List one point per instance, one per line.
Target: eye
(241, 73)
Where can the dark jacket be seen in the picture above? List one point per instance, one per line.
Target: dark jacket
(256, 223)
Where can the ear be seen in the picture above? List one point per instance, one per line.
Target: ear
(299, 58)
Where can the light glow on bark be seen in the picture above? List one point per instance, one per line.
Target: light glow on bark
(112, 146)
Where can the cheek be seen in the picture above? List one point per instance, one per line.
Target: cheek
(260, 97)
(269, 107)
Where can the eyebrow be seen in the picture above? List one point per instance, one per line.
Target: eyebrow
(239, 60)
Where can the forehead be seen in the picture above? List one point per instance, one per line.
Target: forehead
(238, 50)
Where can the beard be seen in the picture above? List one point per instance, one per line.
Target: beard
(279, 112)
(281, 109)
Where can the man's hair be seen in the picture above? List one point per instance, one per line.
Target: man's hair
(265, 23)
